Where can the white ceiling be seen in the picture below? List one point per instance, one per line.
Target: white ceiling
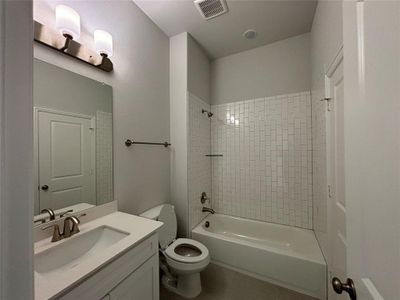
(274, 20)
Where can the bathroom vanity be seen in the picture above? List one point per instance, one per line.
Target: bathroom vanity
(112, 257)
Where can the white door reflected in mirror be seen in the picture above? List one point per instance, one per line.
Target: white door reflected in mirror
(66, 156)
(73, 143)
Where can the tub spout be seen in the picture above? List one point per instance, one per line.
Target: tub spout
(208, 209)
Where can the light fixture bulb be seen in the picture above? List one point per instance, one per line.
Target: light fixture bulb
(103, 43)
(68, 22)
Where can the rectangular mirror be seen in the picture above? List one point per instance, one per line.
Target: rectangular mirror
(72, 141)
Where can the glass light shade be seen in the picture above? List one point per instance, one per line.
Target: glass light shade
(68, 21)
(103, 42)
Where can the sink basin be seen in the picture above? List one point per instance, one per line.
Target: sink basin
(75, 250)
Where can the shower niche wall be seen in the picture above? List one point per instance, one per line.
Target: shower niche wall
(199, 166)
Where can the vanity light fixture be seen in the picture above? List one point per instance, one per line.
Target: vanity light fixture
(68, 22)
(103, 43)
(64, 39)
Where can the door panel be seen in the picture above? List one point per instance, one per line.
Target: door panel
(64, 153)
(66, 149)
(372, 130)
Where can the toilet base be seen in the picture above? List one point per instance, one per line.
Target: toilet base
(187, 286)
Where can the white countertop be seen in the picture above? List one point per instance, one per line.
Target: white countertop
(138, 228)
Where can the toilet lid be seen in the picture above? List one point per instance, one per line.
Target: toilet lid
(167, 233)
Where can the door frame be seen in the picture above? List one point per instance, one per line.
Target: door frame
(337, 60)
(331, 69)
(36, 111)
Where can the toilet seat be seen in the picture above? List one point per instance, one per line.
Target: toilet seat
(196, 246)
(182, 259)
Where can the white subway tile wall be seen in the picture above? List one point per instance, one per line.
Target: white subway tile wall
(266, 169)
(104, 157)
(199, 166)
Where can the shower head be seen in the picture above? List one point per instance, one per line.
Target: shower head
(209, 113)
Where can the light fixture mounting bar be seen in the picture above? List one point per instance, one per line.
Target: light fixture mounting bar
(48, 37)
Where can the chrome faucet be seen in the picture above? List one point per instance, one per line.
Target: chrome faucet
(52, 215)
(208, 209)
(68, 231)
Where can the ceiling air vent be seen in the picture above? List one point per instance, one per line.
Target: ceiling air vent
(211, 8)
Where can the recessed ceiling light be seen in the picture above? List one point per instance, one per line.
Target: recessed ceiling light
(250, 34)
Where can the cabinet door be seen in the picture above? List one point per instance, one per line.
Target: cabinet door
(143, 284)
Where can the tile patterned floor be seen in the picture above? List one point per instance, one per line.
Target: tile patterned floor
(224, 284)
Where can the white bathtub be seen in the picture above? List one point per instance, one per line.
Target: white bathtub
(283, 255)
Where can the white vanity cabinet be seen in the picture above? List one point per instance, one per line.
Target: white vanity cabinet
(134, 275)
(141, 284)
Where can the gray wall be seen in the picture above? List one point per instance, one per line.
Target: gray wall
(279, 68)
(198, 70)
(140, 84)
(16, 148)
(326, 40)
(59, 89)
(189, 73)
(179, 132)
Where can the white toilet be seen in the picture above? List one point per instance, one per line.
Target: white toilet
(182, 260)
